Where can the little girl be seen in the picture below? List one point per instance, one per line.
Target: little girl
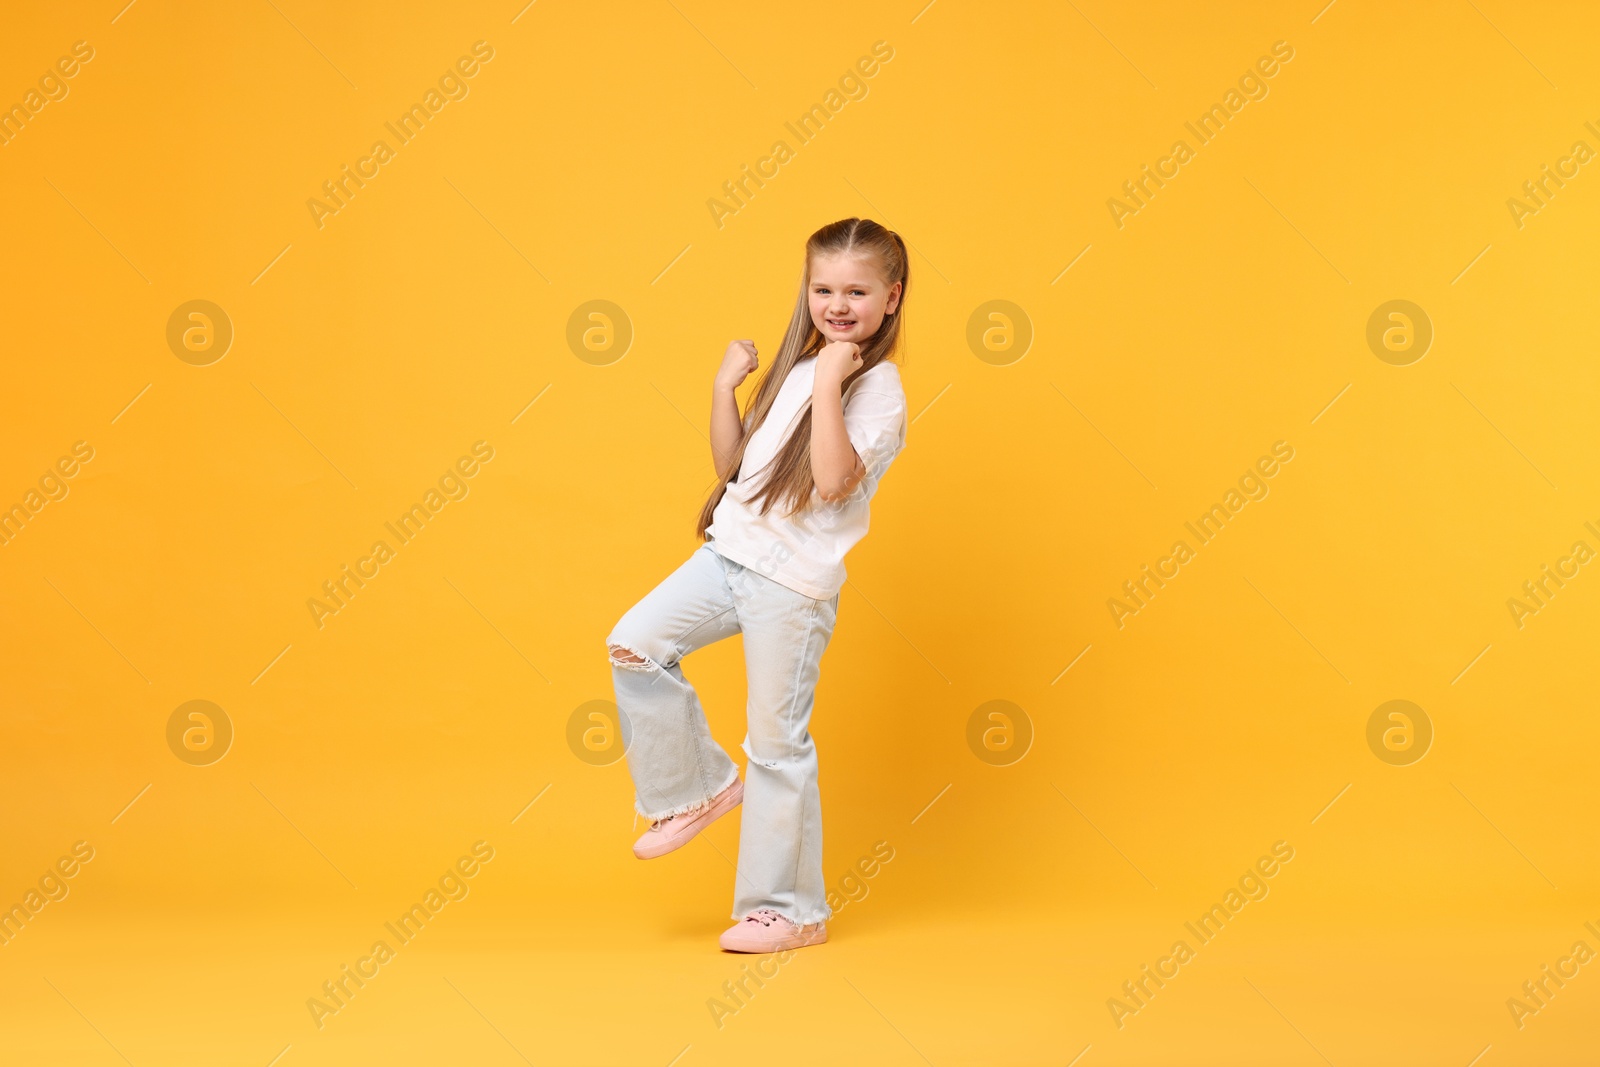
(794, 479)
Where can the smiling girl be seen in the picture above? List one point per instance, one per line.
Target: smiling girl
(795, 476)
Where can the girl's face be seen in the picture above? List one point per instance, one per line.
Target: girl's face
(849, 297)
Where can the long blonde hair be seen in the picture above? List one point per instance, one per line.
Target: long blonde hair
(789, 477)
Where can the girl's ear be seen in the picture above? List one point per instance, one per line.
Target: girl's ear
(894, 299)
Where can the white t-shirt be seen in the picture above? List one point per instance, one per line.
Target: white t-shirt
(806, 551)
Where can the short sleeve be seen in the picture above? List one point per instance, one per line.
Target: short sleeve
(875, 422)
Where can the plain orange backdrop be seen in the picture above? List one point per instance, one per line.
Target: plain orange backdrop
(1164, 356)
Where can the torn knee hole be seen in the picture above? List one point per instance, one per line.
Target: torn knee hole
(627, 657)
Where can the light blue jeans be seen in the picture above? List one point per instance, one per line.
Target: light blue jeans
(677, 767)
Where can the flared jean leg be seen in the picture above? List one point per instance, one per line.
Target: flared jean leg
(780, 841)
(678, 767)
(675, 763)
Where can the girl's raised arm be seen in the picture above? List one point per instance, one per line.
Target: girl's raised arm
(727, 429)
(836, 467)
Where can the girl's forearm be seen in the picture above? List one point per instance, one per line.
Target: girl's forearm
(727, 430)
(835, 466)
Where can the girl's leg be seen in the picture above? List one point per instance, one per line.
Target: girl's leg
(676, 766)
(780, 839)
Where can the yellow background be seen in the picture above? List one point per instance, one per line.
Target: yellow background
(428, 714)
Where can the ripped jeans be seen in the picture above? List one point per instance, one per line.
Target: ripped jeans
(677, 767)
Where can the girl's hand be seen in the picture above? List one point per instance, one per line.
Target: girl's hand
(737, 363)
(837, 361)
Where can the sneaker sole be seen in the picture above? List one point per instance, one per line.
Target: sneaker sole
(706, 818)
(781, 945)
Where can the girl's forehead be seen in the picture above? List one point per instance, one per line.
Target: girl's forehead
(846, 270)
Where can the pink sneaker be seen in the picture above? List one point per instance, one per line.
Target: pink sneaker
(674, 831)
(764, 930)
